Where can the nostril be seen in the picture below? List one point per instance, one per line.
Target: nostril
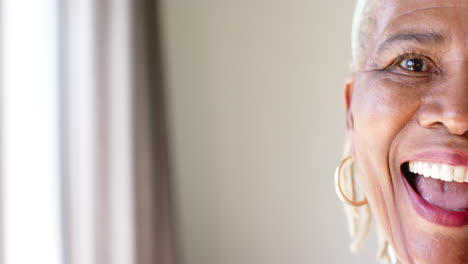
(428, 123)
(457, 125)
(455, 122)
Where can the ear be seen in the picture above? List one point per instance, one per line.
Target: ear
(348, 96)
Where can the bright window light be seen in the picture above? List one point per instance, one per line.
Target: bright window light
(30, 133)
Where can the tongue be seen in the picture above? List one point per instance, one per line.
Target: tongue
(446, 195)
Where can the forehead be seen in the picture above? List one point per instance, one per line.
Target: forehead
(428, 15)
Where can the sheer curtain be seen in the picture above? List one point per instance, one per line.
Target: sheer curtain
(84, 154)
(117, 171)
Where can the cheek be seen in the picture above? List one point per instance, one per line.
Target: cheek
(381, 109)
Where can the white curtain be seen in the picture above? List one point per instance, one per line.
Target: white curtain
(117, 170)
(84, 162)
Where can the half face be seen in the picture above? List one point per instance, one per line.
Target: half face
(408, 124)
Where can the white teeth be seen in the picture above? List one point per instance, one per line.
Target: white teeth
(439, 171)
(434, 172)
(459, 174)
(426, 169)
(446, 172)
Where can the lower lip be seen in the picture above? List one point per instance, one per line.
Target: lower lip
(433, 213)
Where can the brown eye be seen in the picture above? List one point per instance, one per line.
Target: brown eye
(415, 65)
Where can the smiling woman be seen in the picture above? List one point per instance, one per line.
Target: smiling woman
(407, 124)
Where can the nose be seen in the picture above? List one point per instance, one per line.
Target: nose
(447, 104)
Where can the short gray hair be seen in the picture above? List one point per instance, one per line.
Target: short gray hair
(363, 24)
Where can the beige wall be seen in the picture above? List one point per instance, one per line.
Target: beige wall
(257, 125)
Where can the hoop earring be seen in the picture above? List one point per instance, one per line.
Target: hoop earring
(338, 189)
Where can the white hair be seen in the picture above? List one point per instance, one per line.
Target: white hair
(356, 27)
(362, 26)
(360, 218)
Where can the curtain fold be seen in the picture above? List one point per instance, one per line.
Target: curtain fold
(156, 232)
(116, 172)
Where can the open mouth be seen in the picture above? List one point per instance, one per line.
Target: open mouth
(439, 191)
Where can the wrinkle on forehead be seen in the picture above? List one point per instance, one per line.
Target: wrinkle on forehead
(407, 7)
(429, 20)
(372, 17)
(405, 18)
(428, 8)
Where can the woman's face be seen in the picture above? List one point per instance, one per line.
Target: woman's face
(408, 104)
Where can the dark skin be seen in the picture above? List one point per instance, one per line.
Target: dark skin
(409, 95)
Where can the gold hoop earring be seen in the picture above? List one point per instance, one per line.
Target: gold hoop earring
(338, 189)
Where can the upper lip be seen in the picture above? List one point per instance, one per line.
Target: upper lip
(446, 156)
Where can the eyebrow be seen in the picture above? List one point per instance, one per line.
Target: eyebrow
(426, 38)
